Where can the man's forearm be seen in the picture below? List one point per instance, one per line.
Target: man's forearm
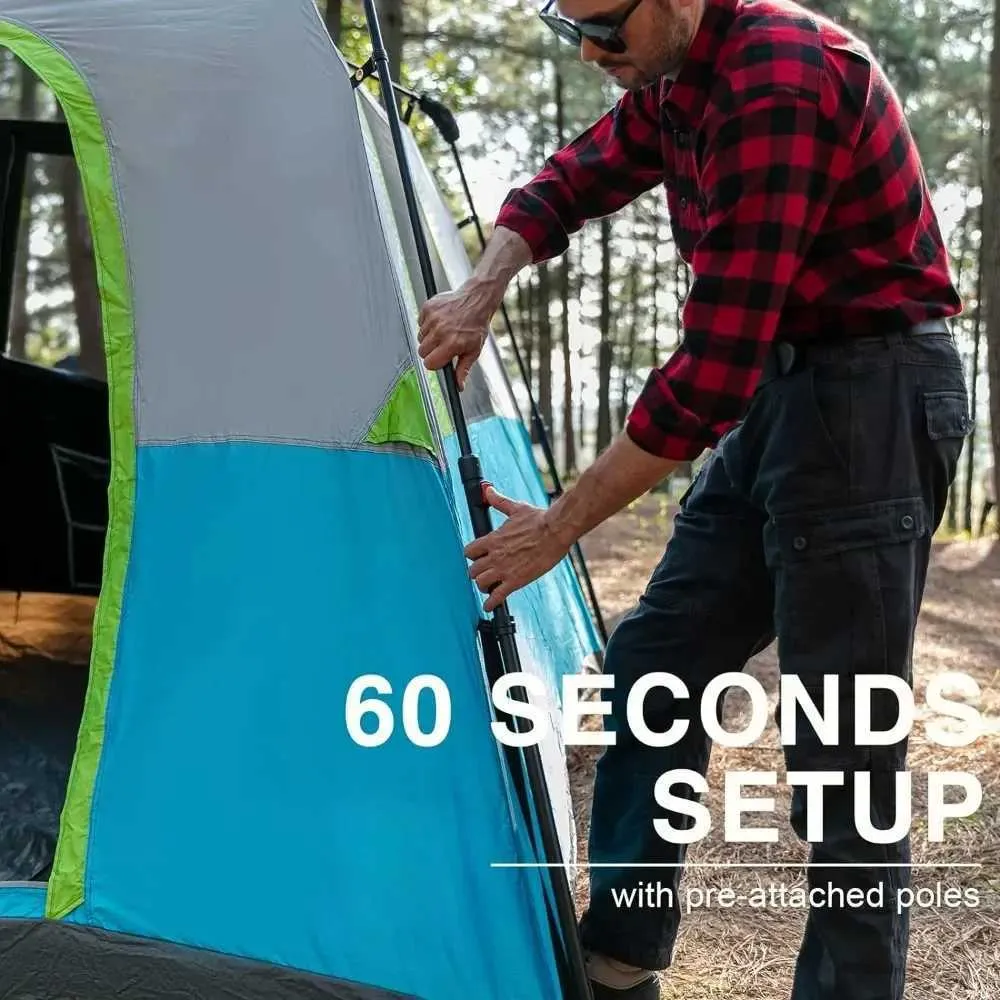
(620, 475)
(506, 254)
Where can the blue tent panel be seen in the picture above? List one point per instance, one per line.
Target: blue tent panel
(21, 901)
(232, 809)
(550, 614)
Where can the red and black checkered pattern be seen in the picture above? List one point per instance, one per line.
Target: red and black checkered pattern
(795, 192)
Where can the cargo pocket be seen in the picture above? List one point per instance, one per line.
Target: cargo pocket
(947, 415)
(797, 538)
(948, 423)
(845, 605)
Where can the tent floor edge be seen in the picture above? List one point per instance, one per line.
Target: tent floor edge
(96, 964)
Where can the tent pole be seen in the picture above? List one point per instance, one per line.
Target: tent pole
(479, 511)
(447, 127)
(536, 416)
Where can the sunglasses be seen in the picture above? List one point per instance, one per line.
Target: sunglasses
(604, 32)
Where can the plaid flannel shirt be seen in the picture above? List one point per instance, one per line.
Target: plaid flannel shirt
(794, 191)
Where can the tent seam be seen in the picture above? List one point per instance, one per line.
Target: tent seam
(402, 448)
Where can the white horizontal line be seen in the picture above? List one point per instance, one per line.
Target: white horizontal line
(736, 864)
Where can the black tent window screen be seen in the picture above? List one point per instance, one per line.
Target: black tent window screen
(82, 479)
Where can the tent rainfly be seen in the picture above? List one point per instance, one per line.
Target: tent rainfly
(284, 517)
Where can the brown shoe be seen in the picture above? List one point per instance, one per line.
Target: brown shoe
(613, 980)
(645, 989)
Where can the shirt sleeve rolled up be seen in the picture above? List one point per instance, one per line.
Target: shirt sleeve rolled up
(600, 171)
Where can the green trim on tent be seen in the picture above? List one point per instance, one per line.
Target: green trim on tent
(431, 384)
(441, 408)
(66, 885)
(404, 417)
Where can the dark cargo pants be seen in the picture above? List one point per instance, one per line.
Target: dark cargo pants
(810, 523)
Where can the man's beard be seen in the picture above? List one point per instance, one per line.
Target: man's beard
(666, 63)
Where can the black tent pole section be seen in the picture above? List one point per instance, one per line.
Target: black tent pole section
(447, 127)
(502, 633)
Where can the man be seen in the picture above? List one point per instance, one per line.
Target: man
(816, 365)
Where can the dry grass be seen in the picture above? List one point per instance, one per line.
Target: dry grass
(748, 952)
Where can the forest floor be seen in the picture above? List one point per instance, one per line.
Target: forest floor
(745, 952)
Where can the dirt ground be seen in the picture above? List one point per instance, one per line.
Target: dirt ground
(745, 952)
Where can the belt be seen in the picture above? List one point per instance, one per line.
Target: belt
(787, 357)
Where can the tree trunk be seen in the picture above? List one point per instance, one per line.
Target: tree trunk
(334, 18)
(604, 351)
(970, 456)
(581, 422)
(970, 445)
(681, 289)
(682, 285)
(991, 249)
(528, 343)
(569, 440)
(628, 362)
(83, 272)
(545, 345)
(18, 329)
(523, 299)
(961, 256)
(390, 19)
(654, 352)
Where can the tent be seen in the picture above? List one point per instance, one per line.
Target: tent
(284, 517)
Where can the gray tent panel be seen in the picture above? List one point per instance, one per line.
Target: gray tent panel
(489, 392)
(47, 959)
(260, 187)
(382, 138)
(478, 402)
